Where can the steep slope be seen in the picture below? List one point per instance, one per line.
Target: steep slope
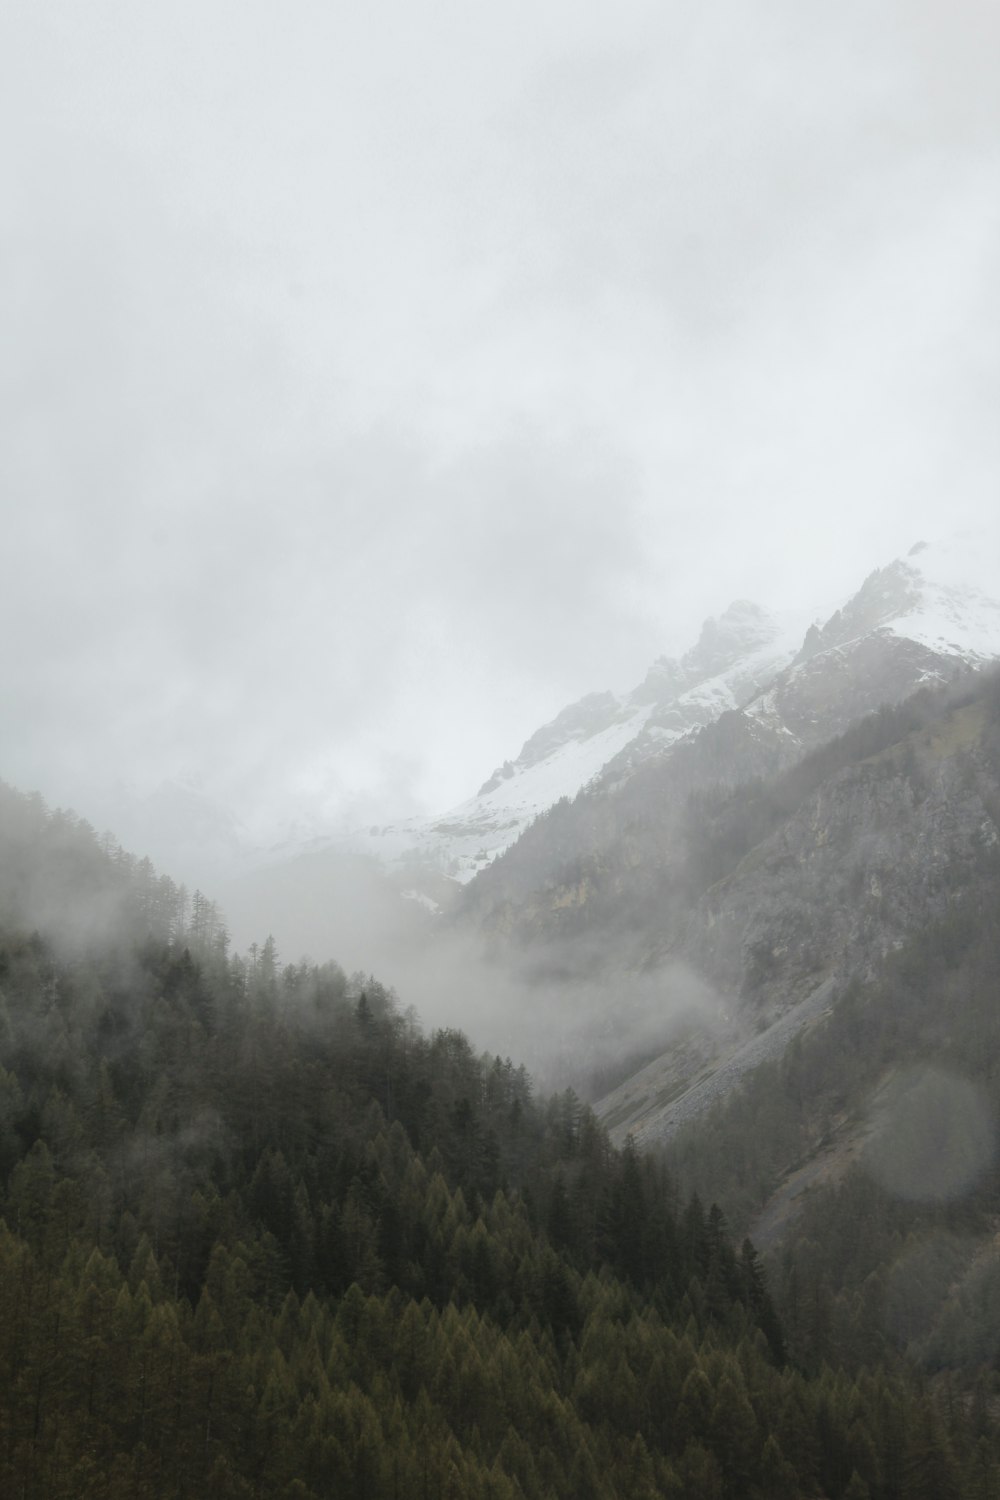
(911, 622)
(909, 625)
(573, 862)
(918, 620)
(816, 878)
(587, 936)
(714, 914)
(733, 659)
(259, 1235)
(865, 1158)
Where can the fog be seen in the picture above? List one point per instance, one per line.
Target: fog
(375, 383)
(931, 1135)
(575, 1011)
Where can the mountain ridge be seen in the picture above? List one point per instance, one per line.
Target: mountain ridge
(912, 621)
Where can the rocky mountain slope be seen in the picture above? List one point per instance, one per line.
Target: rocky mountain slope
(780, 847)
(577, 862)
(913, 621)
(814, 879)
(911, 624)
(734, 658)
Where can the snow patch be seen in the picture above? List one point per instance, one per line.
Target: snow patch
(938, 596)
(422, 900)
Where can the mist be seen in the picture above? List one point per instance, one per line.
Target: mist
(375, 385)
(577, 1012)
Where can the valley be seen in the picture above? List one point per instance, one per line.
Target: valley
(752, 963)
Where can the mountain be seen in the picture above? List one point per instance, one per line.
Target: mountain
(260, 1235)
(919, 619)
(734, 657)
(791, 888)
(709, 890)
(913, 621)
(741, 705)
(569, 870)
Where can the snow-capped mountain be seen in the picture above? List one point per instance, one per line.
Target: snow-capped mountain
(918, 619)
(734, 657)
(722, 880)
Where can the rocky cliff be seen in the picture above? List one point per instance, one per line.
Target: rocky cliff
(806, 882)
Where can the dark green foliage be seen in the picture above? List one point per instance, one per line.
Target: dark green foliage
(263, 1237)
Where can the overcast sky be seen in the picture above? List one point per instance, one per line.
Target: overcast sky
(376, 379)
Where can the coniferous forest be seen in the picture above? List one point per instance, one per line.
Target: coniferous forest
(263, 1236)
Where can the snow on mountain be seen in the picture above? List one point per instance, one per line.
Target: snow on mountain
(950, 608)
(917, 620)
(735, 657)
(600, 735)
(466, 838)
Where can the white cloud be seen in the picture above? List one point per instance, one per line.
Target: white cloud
(380, 381)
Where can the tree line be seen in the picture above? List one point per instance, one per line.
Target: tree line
(263, 1236)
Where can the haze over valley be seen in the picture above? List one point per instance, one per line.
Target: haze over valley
(500, 751)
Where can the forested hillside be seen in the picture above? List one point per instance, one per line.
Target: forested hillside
(867, 1156)
(648, 863)
(263, 1237)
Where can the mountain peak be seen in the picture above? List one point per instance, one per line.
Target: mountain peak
(588, 716)
(740, 629)
(939, 595)
(916, 620)
(724, 641)
(886, 594)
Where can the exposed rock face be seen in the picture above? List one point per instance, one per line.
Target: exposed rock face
(735, 644)
(603, 735)
(850, 864)
(595, 829)
(616, 854)
(581, 720)
(917, 620)
(825, 693)
(764, 875)
(879, 848)
(610, 860)
(888, 594)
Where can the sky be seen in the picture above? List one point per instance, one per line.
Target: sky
(375, 380)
